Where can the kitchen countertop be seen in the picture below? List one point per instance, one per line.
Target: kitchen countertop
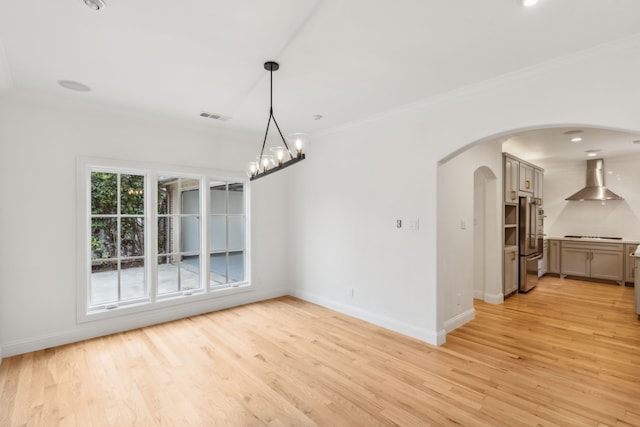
(587, 239)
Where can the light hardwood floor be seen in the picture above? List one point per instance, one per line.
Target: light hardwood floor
(566, 354)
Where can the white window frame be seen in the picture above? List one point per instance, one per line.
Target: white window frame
(151, 171)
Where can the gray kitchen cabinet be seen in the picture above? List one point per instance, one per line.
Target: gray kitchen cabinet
(510, 180)
(629, 262)
(553, 257)
(636, 287)
(538, 183)
(527, 177)
(510, 271)
(575, 261)
(545, 257)
(594, 260)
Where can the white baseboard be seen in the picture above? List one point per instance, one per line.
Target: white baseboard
(428, 336)
(494, 298)
(488, 298)
(101, 328)
(459, 320)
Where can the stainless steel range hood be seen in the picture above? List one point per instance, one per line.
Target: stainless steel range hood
(595, 189)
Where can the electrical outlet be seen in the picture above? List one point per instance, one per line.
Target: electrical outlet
(398, 223)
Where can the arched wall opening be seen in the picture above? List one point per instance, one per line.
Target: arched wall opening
(469, 220)
(485, 209)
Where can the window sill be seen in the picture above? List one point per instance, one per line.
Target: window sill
(163, 303)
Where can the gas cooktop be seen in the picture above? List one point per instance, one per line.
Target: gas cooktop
(594, 237)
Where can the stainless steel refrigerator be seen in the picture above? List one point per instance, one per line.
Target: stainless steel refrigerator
(530, 240)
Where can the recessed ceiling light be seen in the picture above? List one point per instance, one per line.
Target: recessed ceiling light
(593, 153)
(316, 116)
(214, 116)
(529, 3)
(95, 4)
(576, 139)
(73, 85)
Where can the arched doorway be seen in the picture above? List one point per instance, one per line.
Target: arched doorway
(486, 273)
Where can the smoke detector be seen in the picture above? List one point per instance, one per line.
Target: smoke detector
(95, 4)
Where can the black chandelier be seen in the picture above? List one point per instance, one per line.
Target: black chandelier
(267, 164)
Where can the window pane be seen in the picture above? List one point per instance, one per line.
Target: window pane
(236, 266)
(168, 275)
(236, 232)
(217, 233)
(219, 268)
(236, 198)
(131, 194)
(163, 201)
(191, 202)
(218, 194)
(104, 193)
(178, 273)
(167, 190)
(132, 279)
(132, 237)
(165, 237)
(104, 232)
(190, 234)
(190, 272)
(104, 282)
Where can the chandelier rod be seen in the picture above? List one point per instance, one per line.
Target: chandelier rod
(272, 66)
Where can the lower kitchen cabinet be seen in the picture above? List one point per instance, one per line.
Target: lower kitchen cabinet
(629, 262)
(594, 260)
(575, 261)
(510, 271)
(608, 265)
(552, 257)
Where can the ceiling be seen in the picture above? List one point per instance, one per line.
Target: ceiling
(565, 144)
(342, 59)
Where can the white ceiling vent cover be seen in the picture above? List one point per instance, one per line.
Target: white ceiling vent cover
(214, 116)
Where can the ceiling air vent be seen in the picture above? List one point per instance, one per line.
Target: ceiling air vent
(214, 116)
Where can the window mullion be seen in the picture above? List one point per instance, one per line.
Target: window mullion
(226, 257)
(205, 259)
(151, 234)
(119, 234)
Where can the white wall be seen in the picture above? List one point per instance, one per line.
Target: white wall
(360, 178)
(612, 218)
(40, 140)
(457, 276)
(5, 75)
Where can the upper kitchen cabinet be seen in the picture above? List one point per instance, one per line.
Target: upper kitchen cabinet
(521, 177)
(510, 180)
(538, 184)
(527, 178)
